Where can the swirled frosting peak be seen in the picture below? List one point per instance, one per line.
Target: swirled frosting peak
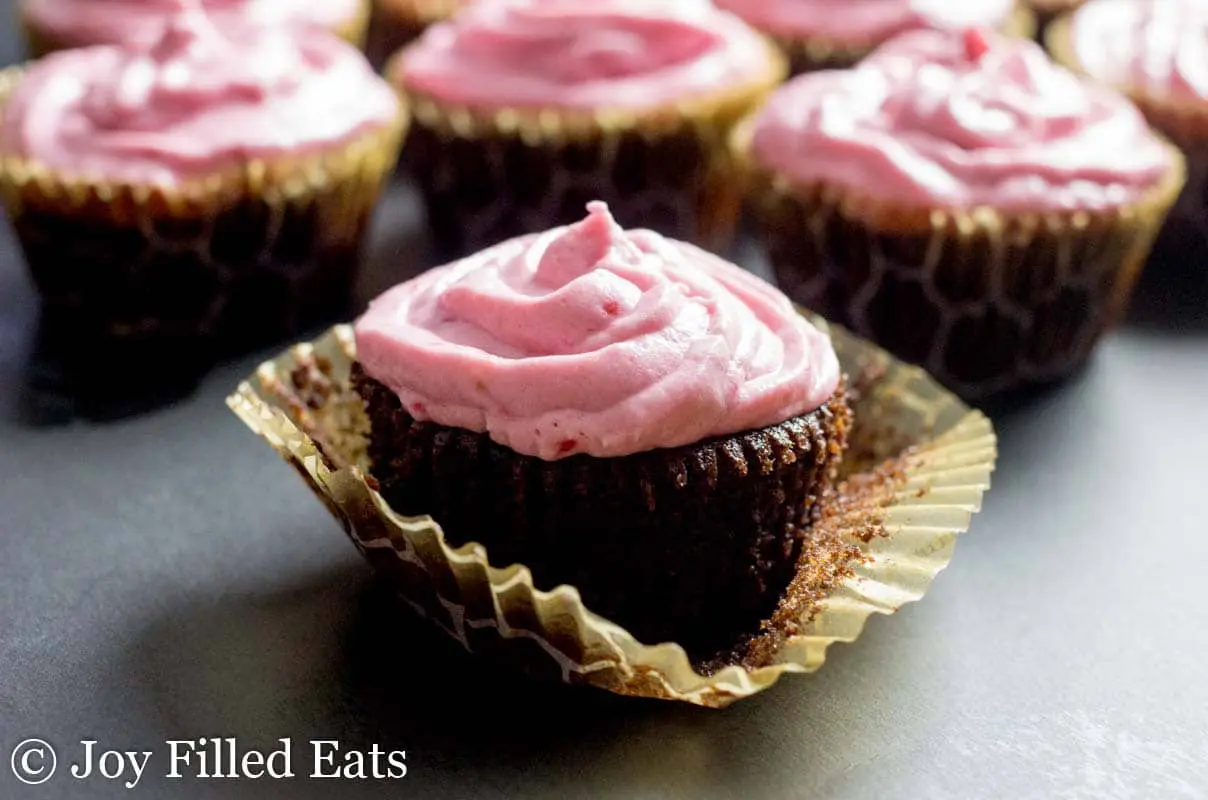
(961, 119)
(191, 101)
(575, 54)
(866, 21)
(1158, 46)
(592, 339)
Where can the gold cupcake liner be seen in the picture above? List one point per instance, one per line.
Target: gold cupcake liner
(311, 207)
(918, 464)
(487, 175)
(813, 53)
(39, 42)
(984, 300)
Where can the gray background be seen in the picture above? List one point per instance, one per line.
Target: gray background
(165, 576)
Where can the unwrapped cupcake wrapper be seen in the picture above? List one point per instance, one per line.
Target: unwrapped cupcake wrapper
(917, 466)
(487, 177)
(39, 42)
(1183, 240)
(814, 53)
(246, 255)
(984, 300)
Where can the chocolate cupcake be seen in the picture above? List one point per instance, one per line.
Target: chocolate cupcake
(527, 109)
(962, 200)
(197, 189)
(395, 23)
(619, 412)
(832, 34)
(52, 25)
(1154, 51)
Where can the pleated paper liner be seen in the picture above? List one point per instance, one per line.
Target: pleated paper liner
(489, 175)
(39, 42)
(814, 53)
(919, 464)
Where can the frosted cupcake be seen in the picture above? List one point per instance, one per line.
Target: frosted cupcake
(395, 23)
(615, 410)
(1156, 52)
(961, 199)
(527, 109)
(61, 24)
(198, 185)
(829, 34)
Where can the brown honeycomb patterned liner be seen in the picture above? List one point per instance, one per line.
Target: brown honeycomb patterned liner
(1183, 240)
(814, 54)
(39, 43)
(245, 256)
(918, 464)
(486, 177)
(396, 23)
(983, 300)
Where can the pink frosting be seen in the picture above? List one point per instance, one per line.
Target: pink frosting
(576, 54)
(591, 339)
(951, 120)
(866, 21)
(87, 22)
(1159, 46)
(192, 101)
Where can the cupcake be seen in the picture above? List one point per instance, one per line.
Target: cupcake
(970, 205)
(395, 23)
(525, 110)
(197, 187)
(62, 24)
(617, 411)
(1154, 51)
(830, 34)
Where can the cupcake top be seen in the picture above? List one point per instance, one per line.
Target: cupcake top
(192, 102)
(1157, 46)
(865, 21)
(572, 54)
(592, 339)
(959, 120)
(87, 22)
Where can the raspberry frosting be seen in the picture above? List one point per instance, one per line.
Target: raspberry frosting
(192, 101)
(866, 21)
(960, 120)
(1158, 46)
(80, 23)
(592, 339)
(584, 55)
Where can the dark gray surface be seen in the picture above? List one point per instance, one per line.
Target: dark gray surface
(165, 576)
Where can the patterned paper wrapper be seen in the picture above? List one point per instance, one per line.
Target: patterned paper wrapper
(39, 42)
(984, 300)
(396, 23)
(1183, 240)
(238, 258)
(490, 176)
(918, 464)
(813, 53)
